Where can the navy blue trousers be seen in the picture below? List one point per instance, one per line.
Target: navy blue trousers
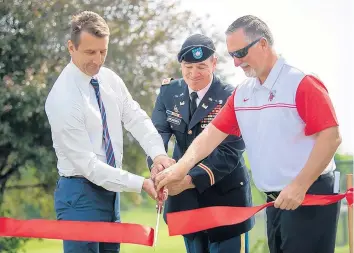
(200, 244)
(307, 229)
(80, 200)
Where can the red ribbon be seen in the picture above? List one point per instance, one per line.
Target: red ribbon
(78, 231)
(179, 223)
(191, 221)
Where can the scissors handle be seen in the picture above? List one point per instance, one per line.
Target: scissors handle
(159, 206)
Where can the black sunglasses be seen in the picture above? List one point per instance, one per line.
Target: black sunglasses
(243, 51)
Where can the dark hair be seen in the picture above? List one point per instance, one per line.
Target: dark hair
(253, 28)
(90, 22)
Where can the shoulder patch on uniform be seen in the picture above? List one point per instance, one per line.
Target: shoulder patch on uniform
(166, 81)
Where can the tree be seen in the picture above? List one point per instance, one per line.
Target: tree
(145, 37)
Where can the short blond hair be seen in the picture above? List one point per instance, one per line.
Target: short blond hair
(90, 22)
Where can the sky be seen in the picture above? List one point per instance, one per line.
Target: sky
(316, 36)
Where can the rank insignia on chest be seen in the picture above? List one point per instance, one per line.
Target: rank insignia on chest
(174, 120)
(173, 117)
(174, 114)
(205, 121)
(204, 106)
(216, 109)
(175, 108)
(211, 115)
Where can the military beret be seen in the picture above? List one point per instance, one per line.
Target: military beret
(196, 48)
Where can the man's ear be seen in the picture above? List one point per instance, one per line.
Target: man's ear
(215, 61)
(71, 47)
(264, 43)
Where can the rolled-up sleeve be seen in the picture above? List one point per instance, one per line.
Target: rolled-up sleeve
(139, 124)
(72, 140)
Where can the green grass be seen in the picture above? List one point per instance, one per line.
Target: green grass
(166, 243)
(147, 217)
(342, 249)
(43, 246)
(55, 246)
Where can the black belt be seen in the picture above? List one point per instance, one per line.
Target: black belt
(272, 195)
(275, 194)
(76, 176)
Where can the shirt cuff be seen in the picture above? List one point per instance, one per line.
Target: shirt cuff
(134, 183)
(157, 150)
(202, 177)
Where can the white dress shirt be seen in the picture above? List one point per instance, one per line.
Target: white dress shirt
(201, 93)
(76, 126)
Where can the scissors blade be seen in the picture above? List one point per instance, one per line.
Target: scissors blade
(159, 210)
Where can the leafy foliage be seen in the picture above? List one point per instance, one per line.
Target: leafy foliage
(145, 37)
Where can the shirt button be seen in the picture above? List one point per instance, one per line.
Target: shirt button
(241, 183)
(190, 132)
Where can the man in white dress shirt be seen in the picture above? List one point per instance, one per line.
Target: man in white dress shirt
(86, 109)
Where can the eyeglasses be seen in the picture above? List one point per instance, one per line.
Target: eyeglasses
(243, 51)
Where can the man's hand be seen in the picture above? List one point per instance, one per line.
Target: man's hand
(164, 160)
(156, 168)
(180, 186)
(172, 174)
(149, 188)
(291, 197)
(161, 197)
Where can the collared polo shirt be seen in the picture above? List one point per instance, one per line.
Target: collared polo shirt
(278, 120)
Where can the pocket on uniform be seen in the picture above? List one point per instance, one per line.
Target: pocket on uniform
(241, 186)
(237, 180)
(69, 192)
(177, 124)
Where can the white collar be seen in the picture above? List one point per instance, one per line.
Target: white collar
(78, 73)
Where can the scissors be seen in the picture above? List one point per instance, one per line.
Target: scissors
(159, 208)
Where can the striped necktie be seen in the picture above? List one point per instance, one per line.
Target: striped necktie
(107, 140)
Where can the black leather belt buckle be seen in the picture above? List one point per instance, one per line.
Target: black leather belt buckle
(272, 195)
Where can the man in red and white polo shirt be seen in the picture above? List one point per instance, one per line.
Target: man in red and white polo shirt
(290, 129)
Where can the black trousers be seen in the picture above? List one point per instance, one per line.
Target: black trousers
(307, 229)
